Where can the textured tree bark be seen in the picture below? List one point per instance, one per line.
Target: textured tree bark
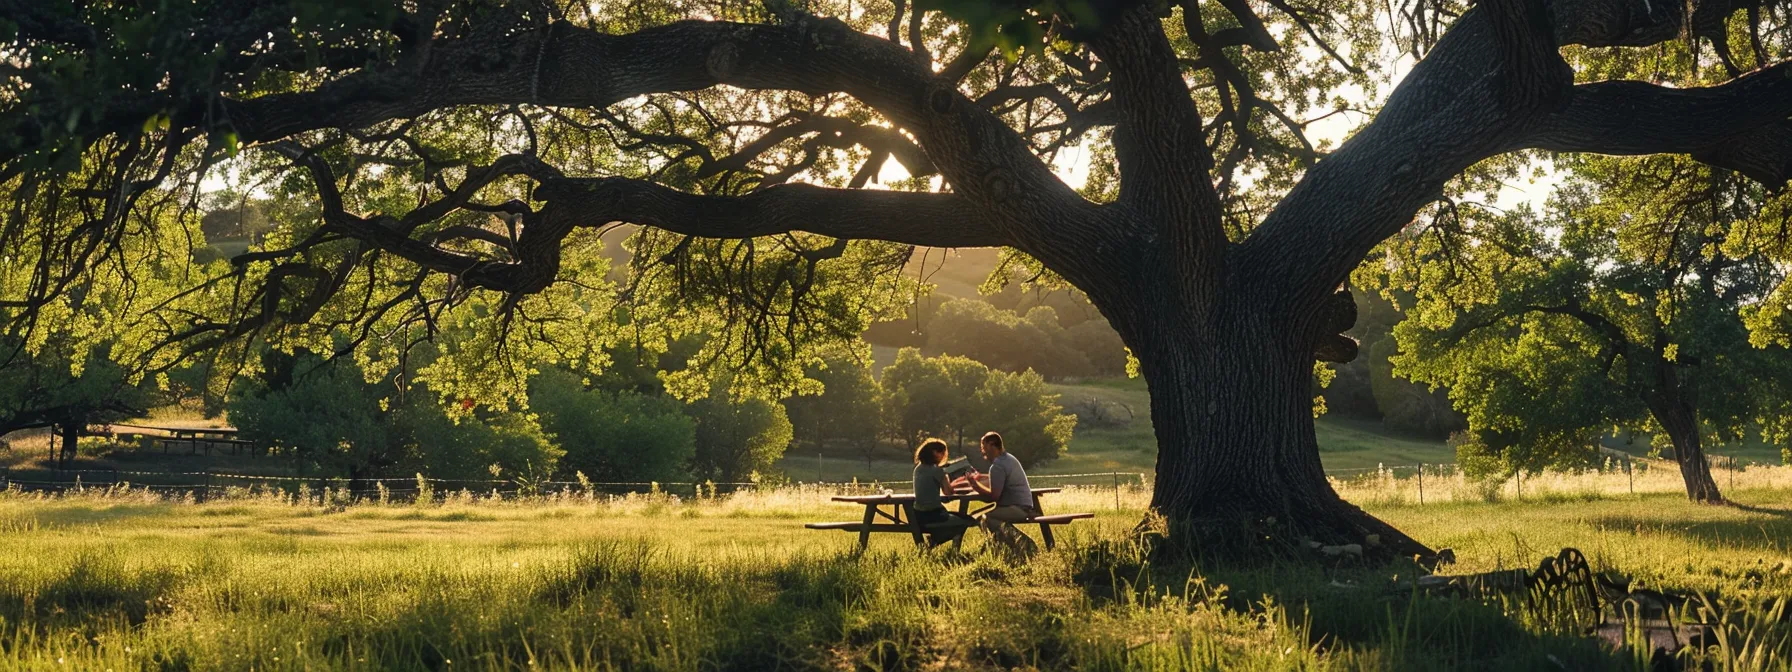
(1238, 467)
(1678, 416)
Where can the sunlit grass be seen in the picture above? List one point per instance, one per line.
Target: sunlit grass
(123, 580)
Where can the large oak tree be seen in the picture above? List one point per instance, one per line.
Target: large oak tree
(462, 152)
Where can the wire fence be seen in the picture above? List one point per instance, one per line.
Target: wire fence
(209, 484)
(206, 484)
(1418, 483)
(1435, 483)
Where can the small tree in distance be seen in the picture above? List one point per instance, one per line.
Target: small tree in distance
(1626, 304)
(613, 435)
(846, 412)
(959, 399)
(737, 439)
(1032, 423)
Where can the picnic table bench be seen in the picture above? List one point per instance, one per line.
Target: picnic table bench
(193, 437)
(897, 514)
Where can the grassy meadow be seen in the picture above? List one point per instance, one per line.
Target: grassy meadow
(111, 580)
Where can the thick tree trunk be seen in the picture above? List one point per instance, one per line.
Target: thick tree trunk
(1238, 469)
(1681, 421)
(70, 435)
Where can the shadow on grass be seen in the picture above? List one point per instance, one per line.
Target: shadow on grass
(1765, 535)
(71, 515)
(90, 590)
(1365, 618)
(1751, 508)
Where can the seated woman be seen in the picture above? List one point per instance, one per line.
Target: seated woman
(931, 484)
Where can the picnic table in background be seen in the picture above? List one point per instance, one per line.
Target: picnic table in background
(194, 437)
(895, 513)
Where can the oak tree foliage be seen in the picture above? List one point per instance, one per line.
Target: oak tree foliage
(1627, 303)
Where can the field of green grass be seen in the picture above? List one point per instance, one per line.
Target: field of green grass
(119, 582)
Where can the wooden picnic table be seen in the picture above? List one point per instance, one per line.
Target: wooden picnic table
(898, 509)
(193, 436)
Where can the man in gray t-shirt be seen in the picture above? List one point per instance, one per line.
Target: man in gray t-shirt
(1008, 488)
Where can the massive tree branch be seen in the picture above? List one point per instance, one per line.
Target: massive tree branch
(1453, 110)
(1640, 23)
(987, 162)
(1493, 85)
(833, 132)
(937, 220)
(1741, 124)
(1496, 84)
(1164, 161)
(560, 65)
(934, 220)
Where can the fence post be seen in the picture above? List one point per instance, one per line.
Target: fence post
(1421, 483)
(1732, 472)
(1116, 476)
(1630, 471)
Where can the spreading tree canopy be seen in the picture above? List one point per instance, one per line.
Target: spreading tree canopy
(1626, 303)
(458, 159)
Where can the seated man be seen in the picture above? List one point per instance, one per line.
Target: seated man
(1008, 488)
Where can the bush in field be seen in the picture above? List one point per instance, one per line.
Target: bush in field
(427, 441)
(613, 435)
(328, 419)
(931, 396)
(845, 414)
(321, 415)
(737, 438)
(1032, 424)
(959, 399)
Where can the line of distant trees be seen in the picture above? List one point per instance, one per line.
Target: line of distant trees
(621, 427)
(327, 419)
(1057, 335)
(947, 396)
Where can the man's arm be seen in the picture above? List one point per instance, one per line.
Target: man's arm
(998, 479)
(977, 485)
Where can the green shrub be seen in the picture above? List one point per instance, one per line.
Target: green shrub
(1029, 418)
(613, 435)
(737, 438)
(430, 441)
